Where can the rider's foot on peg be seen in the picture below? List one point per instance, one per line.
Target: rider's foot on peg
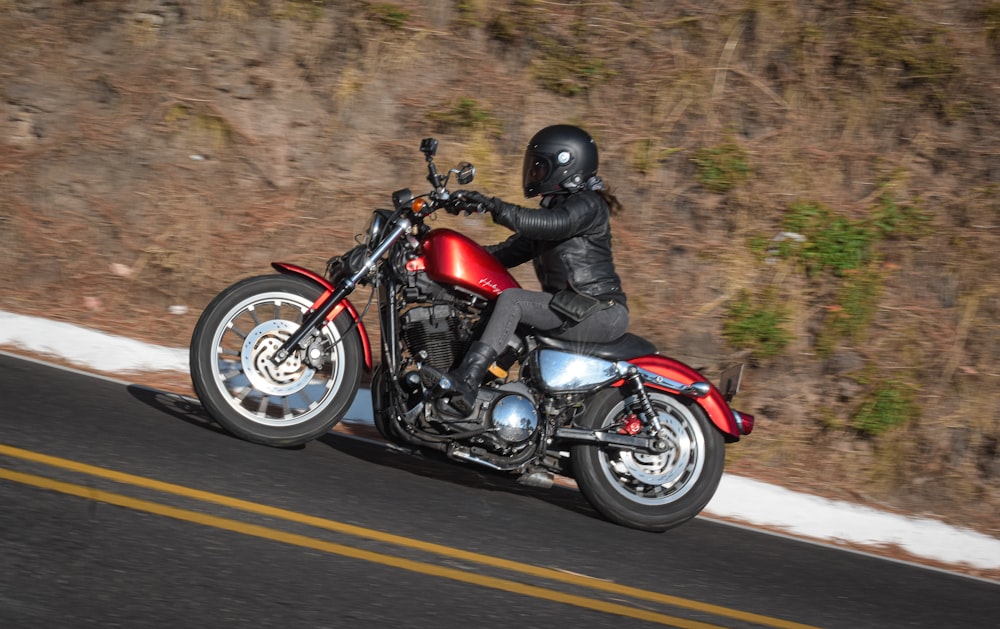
(459, 388)
(448, 398)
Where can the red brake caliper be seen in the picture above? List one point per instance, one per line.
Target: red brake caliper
(631, 425)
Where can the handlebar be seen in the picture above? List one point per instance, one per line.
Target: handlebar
(440, 197)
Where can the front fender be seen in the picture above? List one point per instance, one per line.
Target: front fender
(328, 288)
(713, 403)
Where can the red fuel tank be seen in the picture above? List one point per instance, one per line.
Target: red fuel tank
(451, 258)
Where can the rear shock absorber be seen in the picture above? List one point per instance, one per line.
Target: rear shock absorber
(643, 407)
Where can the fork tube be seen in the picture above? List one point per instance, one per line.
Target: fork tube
(346, 288)
(387, 309)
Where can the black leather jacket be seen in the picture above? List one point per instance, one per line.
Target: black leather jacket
(569, 240)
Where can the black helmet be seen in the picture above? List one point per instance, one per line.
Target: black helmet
(560, 158)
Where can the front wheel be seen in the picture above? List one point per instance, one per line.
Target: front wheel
(250, 396)
(652, 492)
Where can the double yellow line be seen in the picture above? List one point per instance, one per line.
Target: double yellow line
(419, 567)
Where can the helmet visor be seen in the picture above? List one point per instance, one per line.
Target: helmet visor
(536, 170)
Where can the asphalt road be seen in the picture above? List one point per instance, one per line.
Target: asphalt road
(121, 506)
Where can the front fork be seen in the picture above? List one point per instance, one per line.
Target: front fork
(318, 316)
(309, 343)
(313, 320)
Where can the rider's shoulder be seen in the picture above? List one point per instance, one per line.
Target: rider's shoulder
(585, 200)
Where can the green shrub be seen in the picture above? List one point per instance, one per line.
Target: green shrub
(833, 242)
(840, 245)
(722, 167)
(309, 10)
(856, 305)
(890, 218)
(647, 155)
(889, 404)
(882, 37)
(567, 70)
(391, 15)
(756, 325)
(465, 113)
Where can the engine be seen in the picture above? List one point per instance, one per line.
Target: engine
(437, 331)
(505, 421)
(512, 414)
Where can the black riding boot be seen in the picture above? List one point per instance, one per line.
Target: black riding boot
(459, 387)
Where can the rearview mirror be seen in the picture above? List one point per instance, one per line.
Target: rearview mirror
(465, 173)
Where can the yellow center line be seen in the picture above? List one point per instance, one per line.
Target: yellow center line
(398, 540)
(264, 532)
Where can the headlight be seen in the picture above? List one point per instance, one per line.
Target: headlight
(376, 227)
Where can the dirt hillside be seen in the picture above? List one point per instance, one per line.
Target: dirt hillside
(811, 187)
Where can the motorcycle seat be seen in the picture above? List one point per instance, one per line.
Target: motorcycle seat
(625, 347)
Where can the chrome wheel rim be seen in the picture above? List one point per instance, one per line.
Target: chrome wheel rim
(657, 479)
(265, 393)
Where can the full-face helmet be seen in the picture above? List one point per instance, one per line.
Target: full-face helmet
(559, 159)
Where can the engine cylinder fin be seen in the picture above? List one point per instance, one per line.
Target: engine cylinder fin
(438, 332)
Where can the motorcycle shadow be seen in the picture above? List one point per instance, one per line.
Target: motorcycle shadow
(436, 466)
(183, 407)
(362, 442)
(180, 406)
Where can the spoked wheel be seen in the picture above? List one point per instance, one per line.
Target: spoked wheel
(250, 396)
(647, 491)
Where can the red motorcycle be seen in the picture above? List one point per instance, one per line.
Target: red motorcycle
(278, 360)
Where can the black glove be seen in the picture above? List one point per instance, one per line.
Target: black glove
(504, 213)
(470, 201)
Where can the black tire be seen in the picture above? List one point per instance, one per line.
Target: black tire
(243, 391)
(645, 491)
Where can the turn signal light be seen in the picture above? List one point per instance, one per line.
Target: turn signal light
(744, 422)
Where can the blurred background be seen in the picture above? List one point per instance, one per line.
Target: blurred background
(810, 187)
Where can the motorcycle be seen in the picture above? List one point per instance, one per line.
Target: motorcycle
(278, 360)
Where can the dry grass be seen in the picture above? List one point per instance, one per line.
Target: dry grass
(147, 162)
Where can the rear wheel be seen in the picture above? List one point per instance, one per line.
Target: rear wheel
(250, 396)
(642, 490)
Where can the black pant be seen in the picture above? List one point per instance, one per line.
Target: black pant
(517, 305)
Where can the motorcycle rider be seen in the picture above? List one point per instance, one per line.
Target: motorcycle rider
(569, 240)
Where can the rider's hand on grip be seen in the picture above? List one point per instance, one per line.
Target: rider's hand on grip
(470, 201)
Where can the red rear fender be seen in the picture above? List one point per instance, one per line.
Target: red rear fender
(328, 288)
(713, 403)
